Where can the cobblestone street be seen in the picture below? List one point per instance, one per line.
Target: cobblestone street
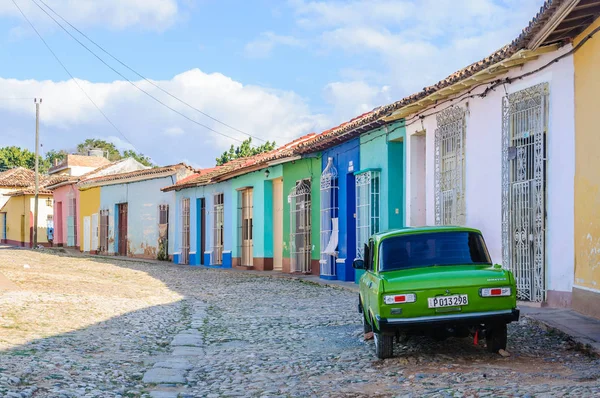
(80, 327)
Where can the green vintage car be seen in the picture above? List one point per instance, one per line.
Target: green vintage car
(436, 281)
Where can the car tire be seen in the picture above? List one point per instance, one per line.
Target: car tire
(384, 345)
(366, 325)
(496, 337)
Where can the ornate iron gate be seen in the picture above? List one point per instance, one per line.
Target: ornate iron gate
(450, 167)
(245, 222)
(185, 231)
(300, 227)
(329, 219)
(367, 208)
(525, 122)
(163, 232)
(218, 228)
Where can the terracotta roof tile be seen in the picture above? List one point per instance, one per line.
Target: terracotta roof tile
(17, 177)
(138, 174)
(29, 191)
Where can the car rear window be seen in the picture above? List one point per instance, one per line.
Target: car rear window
(429, 249)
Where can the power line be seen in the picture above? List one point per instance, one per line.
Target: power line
(143, 77)
(72, 77)
(132, 83)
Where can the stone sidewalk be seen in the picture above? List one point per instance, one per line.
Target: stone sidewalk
(582, 329)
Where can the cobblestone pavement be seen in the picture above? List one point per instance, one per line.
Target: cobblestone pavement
(214, 333)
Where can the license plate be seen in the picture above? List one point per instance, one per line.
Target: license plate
(448, 301)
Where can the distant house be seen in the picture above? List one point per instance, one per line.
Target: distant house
(77, 165)
(131, 216)
(17, 207)
(67, 205)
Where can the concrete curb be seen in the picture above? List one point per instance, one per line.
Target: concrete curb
(581, 343)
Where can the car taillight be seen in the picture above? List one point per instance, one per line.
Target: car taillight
(400, 298)
(495, 292)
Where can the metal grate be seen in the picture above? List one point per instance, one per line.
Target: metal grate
(367, 208)
(185, 231)
(103, 244)
(72, 221)
(163, 231)
(329, 217)
(218, 228)
(2, 226)
(450, 167)
(525, 123)
(300, 227)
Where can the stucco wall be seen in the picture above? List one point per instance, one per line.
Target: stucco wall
(18, 206)
(89, 203)
(143, 199)
(483, 149)
(292, 172)
(62, 195)
(587, 165)
(384, 149)
(346, 159)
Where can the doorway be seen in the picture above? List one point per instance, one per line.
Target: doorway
(94, 232)
(122, 228)
(524, 189)
(59, 224)
(185, 231)
(86, 233)
(418, 199)
(278, 225)
(246, 212)
(201, 227)
(300, 227)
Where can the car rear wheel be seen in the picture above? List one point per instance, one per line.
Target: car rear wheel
(384, 345)
(496, 337)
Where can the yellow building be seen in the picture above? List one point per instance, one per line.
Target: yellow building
(89, 207)
(18, 215)
(586, 289)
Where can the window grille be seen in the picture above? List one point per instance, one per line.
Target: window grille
(245, 211)
(300, 227)
(103, 244)
(525, 123)
(329, 219)
(72, 222)
(450, 167)
(218, 228)
(185, 231)
(367, 208)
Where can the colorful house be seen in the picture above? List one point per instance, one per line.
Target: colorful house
(67, 203)
(17, 207)
(131, 216)
(77, 165)
(586, 287)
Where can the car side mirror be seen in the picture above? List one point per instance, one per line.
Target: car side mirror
(358, 264)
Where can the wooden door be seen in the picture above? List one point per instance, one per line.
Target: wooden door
(59, 238)
(201, 227)
(277, 225)
(94, 232)
(23, 230)
(87, 229)
(122, 249)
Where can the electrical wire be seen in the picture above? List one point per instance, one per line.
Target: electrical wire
(71, 75)
(143, 77)
(133, 84)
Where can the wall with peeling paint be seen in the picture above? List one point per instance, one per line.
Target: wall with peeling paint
(143, 199)
(586, 294)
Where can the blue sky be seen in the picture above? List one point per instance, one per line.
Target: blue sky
(274, 69)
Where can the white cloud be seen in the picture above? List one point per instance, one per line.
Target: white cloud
(266, 42)
(67, 117)
(117, 14)
(353, 98)
(409, 44)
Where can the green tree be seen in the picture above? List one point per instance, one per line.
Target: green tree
(243, 151)
(13, 156)
(92, 143)
(53, 156)
(140, 157)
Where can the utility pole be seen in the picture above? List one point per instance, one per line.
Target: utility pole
(37, 170)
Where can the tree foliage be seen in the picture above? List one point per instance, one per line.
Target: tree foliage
(243, 151)
(13, 156)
